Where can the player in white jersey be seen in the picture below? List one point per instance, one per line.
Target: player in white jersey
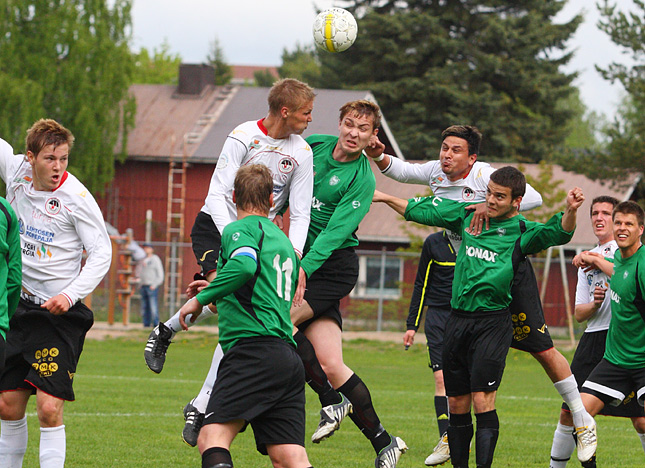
(593, 306)
(58, 218)
(457, 175)
(275, 142)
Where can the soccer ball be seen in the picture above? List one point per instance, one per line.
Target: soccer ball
(335, 30)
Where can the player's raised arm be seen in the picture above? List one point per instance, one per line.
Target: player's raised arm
(575, 197)
(397, 204)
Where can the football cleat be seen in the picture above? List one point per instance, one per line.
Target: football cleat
(194, 421)
(441, 453)
(586, 441)
(330, 418)
(156, 347)
(389, 456)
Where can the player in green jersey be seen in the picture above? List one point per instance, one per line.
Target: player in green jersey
(480, 321)
(622, 369)
(343, 188)
(260, 380)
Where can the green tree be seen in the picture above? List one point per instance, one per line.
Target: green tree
(160, 67)
(216, 59)
(264, 78)
(626, 134)
(301, 64)
(69, 61)
(434, 63)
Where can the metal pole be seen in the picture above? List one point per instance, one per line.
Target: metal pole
(567, 302)
(148, 225)
(172, 291)
(381, 290)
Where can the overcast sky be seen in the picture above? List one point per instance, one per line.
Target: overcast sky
(254, 32)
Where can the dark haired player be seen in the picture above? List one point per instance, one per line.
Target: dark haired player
(480, 331)
(457, 175)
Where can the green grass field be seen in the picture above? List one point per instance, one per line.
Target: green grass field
(126, 416)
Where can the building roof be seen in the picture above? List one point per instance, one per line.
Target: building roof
(165, 119)
(245, 74)
(382, 224)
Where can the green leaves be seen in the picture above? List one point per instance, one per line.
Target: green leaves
(70, 61)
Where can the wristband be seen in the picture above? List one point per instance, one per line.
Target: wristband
(380, 158)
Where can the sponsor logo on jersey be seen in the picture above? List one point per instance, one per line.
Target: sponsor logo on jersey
(334, 180)
(625, 275)
(40, 216)
(222, 162)
(356, 204)
(44, 361)
(53, 206)
(615, 297)
(28, 250)
(501, 232)
(43, 253)
(316, 204)
(22, 180)
(468, 194)
(286, 165)
(235, 236)
(589, 280)
(21, 226)
(482, 254)
(255, 144)
(436, 180)
(40, 235)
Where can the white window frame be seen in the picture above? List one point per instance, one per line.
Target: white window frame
(361, 291)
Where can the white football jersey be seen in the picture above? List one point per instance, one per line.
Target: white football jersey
(55, 226)
(470, 189)
(290, 161)
(587, 282)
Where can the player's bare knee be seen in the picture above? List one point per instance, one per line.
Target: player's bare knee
(639, 425)
(50, 412)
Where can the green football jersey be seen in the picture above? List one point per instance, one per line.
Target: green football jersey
(626, 337)
(256, 279)
(486, 263)
(342, 197)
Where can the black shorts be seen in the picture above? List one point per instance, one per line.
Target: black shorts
(589, 353)
(43, 349)
(207, 241)
(435, 327)
(474, 352)
(530, 332)
(612, 384)
(334, 280)
(262, 381)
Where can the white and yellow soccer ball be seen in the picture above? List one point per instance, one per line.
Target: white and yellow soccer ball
(335, 30)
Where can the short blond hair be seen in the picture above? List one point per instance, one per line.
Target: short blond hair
(289, 93)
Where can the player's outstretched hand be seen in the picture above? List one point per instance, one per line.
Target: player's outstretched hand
(479, 219)
(575, 198)
(57, 305)
(195, 287)
(192, 306)
(375, 147)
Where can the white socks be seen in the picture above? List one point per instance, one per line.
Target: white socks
(568, 390)
(642, 437)
(13, 442)
(52, 447)
(201, 401)
(173, 322)
(563, 446)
